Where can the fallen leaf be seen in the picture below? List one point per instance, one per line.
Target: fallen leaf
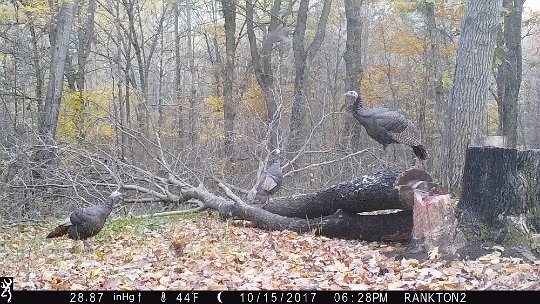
(76, 286)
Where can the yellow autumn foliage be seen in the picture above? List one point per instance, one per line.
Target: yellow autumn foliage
(374, 85)
(212, 125)
(406, 44)
(452, 13)
(215, 104)
(212, 130)
(36, 11)
(253, 99)
(86, 115)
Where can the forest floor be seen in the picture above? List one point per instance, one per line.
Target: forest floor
(202, 252)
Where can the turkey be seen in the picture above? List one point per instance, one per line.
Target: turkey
(268, 183)
(386, 126)
(84, 223)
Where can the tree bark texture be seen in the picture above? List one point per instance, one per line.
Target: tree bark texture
(467, 106)
(509, 72)
(85, 34)
(387, 227)
(353, 62)
(194, 136)
(432, 99)
(353, 45)
(178, 73)
(501, 195)
(37, 60)
(48, 120)
(229, 101)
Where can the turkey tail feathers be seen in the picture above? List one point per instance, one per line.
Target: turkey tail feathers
(58, 231)
(420, 152)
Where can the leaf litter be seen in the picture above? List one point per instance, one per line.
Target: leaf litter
(206, 253)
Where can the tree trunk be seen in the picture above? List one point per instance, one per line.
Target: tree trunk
(431, 68)
(36, 58)
(178, 73)
(76, 74)
(161, 75)
(302, 57)
(48, 120)
(143, 55)
(229, 100)
(121, 102)
(194, 136)
(434, 85)
(262, 66)
(86, 36)
(467, 107)
(353, 62)
(142, 109)
(353, 46)
(509, 72)
(388, 189)
(129, 84)
(501, 196)
(7, 132)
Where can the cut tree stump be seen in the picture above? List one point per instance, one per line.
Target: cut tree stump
(500, 200)
(435, 224)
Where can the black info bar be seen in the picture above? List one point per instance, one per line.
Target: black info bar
(238, 297)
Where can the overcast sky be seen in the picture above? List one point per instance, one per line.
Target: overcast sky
(533, 4)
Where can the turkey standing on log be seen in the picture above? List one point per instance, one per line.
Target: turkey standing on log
(84, 223)
(387, 126)
(268, 183)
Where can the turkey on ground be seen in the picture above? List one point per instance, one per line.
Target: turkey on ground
(84, 223)
(267, 184)
(386, 126)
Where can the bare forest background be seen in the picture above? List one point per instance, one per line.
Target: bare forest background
(96, 94)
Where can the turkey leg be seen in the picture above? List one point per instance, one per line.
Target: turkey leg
(87, 246)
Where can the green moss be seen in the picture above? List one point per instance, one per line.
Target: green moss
(535, 246)
(515, 235)
(477, 231)
(507, 234)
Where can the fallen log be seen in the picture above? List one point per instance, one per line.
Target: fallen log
(333, 212)
(385, 227)
(387, 189)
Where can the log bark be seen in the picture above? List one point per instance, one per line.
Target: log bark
(387, 189)
(388, 227)
(501, 196)
(333, 212)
